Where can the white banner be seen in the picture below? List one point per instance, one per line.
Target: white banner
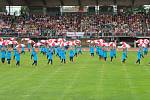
(73, 9)
(71, 34)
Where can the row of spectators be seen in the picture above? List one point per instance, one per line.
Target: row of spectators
(126, 25)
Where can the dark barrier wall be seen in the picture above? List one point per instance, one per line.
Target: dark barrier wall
(53, 11)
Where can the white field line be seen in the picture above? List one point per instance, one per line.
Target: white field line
(130, 83)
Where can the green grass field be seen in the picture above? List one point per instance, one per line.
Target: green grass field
(86, 79)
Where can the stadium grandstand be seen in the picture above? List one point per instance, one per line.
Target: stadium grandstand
(83, 19)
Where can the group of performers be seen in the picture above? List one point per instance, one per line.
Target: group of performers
(99, 47)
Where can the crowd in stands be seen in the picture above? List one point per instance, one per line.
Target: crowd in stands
(103, 25)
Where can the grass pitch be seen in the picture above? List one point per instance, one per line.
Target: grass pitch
(86, 79)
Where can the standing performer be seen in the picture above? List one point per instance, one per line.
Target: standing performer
(71, 54)
(92, 50)
(75, 51)
(17, 56)
(35, 58)
(56, 51)
(97, 50)
(114, 52)
(3, 54)
(50, 57)
(47, 50)
(124, 56)
(138, 57)
(145, 50)
(33, 50)
(63, 56)
(15, 50)
(141, 50)
(105, 53)
(8, 56)
(111, 54)
(100, 52)
(80, 50)
(29, 47)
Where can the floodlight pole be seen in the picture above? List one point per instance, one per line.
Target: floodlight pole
(9, 10)
(9, 3)
(61, 10)
(44, 10)
(134, 43)
(61, 6)
(96, 7)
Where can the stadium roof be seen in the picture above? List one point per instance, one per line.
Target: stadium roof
(52, 3)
